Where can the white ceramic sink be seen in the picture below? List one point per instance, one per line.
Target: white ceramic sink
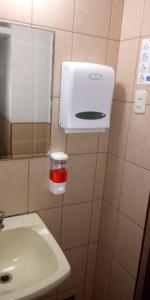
(31, 261)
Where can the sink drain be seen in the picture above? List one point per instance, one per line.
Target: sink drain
(5, 278)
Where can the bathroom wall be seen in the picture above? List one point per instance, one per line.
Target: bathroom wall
(85, 30)
(127, 181)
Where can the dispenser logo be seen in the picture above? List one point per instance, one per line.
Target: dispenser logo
(95, 76)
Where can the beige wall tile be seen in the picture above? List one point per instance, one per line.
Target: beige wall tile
(77, 258)
(14, 186)
(77, 292)
(22, 131)
(39, 195)
(126, 69)
(41, 137)
(119, 128)
(18, 10)
(128, 244)
(89, 49)
(52, 219)
(88, 292)
(82, 143)
(93, 17)
(103, 141)
(30, 138)
(121, 283)
(80, 186)
(100, 175)
(40, 147)
(22, 139)
(107, 229)
(62, 52)
(75, 225)
(113, 177)
(103, 269)
(56, 14)
(132, 19)
(58, 136)
(138, 144)
(94, 228)
(112, 54)
(92, 255)
(116, 19)
(135, 193)
(146, 24)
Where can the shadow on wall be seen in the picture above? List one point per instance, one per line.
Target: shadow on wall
(119, 89)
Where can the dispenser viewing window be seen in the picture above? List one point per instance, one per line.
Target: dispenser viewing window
(58, 172)
(86, 97)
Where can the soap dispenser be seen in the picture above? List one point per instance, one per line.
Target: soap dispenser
(58, 172)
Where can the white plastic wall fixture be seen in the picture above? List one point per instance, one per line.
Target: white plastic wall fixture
(55, 187)
(86, 97)
(58, 155)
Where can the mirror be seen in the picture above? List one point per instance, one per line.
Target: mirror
(26, 59)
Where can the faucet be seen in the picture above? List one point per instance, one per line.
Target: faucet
(2, 215)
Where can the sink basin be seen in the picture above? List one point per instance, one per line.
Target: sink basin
(31, 261)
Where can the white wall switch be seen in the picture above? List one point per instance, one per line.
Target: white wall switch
(140, 101)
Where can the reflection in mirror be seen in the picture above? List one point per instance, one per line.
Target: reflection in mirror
(26, 56)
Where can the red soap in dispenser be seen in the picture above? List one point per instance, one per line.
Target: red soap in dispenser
(58, 172)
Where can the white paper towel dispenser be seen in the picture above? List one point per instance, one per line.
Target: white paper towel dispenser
(86, 97)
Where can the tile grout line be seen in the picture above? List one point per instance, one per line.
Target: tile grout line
(74, 16)
(90, 225)
(111, 8)
(127, 101)
(126, 160)
(66, 30)
(122, 13)
(116, 259)
(107, 147)
(142, 18)
(60, 234)
(32, 11)
(109, 26)
(121, 212)
(66, 205)
(13, 21)
(74, 287)
(96, 259)
(62, 212)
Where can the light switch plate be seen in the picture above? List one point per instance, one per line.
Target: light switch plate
(140, 101)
